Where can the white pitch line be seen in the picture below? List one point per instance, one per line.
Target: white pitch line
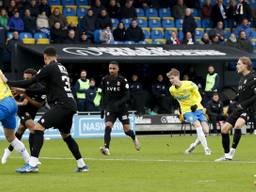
(146, 160)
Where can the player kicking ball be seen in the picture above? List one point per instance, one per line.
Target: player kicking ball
(189, 98)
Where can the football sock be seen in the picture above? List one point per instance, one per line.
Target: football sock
(37, 143)
(236, 138)
(30, 140)
(107, 137)
(73, 147)
(197, 142)
(225, 142)
(18, 136)
(131, 134)
(201, 137)
(20, 148)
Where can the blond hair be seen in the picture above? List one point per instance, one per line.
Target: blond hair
(173, 72)
(246, 61)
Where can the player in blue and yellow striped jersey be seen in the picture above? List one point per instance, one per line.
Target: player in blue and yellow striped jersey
(189, 98)
(8, 109)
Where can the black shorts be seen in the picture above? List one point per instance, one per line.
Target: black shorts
(232, 118)
(58, 117)
(112, 116)
(26, 114)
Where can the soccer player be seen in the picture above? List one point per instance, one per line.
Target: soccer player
(115, 94)
(189, 98)
(8, 109)
(28, 105)
(245, 104)
(63, 107)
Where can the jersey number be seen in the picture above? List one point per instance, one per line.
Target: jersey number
(67, 86)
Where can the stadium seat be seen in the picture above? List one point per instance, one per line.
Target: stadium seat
(178, 23)
(81, 2)
(43, 41)
(69, 11)
(254, 34)
(129, 42)
(114, 22)
(180, 35)
(148, 41)
(254, 43)
(54, 2)
(146, 32)
(9, 35)
(28, 41)
(142, 21)
(168, 22)
(227, 34)
(168, 32)
(40, 36)
(159, 41)
(157, 33)
(199, 33)
(198, 22)
(140, 12)
(206, 23)
(81, 11)
(195, 13)
(68, 2)
(151, 12)
(154, 22)
(72, 19)
(57, 6)
(25, 35)
(126, 22)
(164, 12)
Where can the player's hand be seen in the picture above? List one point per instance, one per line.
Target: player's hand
(17, 90)
(102, 114)
(193, 108)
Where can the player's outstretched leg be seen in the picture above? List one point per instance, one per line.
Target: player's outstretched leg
(202, 138)
(131, 134)
(107, 138)
(192, 146)
(236, 139)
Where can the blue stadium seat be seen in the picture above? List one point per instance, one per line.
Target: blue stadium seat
(140, 12)
(142, 21)
(254, 34)
(69, 11)
(114, 22)
(157, 33)
(164, 12)
(40, 36)
(81, 2)
(199, 33)
(129, 42)
(126, 22)
(146, 32)
(54, 2)
(97, 36)
(254, 43)
(206, 23)
(180, 35)
(151, 12)
(178, 23)
(154, 22)
(81, 11)
(9, 35)
(195, 13)
(68, 2)
(198, 22)
(168, 22)
(25, 35)
(227, 34)
(168, 32)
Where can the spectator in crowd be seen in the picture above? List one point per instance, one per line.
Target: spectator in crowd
(189, 24)
(174, 40)
(193, 4)
(128, 11)
(188, 39)
(205, 40)
(11, 43)
(33, 8)
(4, 19)
(245, 26)
(93, 96)
(119, 32)
(44, 7)
(97, 7)
(161, 96)
(215, 40)
(137, 95)
(244, 43)
(57, 17)
(58, 34)
(206, 10)
(232, 13)
(144, 3)
(79, 90)
(214, 110)
(243, 11)
(113, 9)
(71, 37)
(72, 26)
(219, 12)
(87, 24)
(42, 23)
(29, 22)
(103, 20)
(84, 39)
(178, 10)
(232, 41)
(218, 30)
(106, 36)
(12, 8)
(16, 23)
(134, 32)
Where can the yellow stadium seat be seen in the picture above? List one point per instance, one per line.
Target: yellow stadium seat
(72, 19)
(28, 41)
(160, 41)
(149, 41)
(43, 41)
(57, 6)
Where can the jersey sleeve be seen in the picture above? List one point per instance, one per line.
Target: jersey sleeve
(194, 91)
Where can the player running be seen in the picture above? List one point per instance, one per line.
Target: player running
(189, 98)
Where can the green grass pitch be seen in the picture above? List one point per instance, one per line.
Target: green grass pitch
(161, 166)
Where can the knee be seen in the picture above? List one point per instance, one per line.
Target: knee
(225, 130)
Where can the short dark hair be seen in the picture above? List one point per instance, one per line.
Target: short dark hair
(114, 63)
(30, 71)
(50, 51)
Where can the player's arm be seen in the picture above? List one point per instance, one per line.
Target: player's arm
(23, 102)
(252, 87)
(195, 92)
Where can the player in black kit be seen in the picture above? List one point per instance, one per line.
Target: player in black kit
(246, 100)
(115, 94)
(62, 108)
(28, 104)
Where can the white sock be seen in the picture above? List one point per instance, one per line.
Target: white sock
(20, 148)
(197, 142)
(80, 162)
(33, 161)
(201, 137)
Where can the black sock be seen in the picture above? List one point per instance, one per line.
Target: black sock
(225, 142)
(18, 136)
(73, 147)
(37, 143)
(107, 136)
(236, 138)
(30, 140)
(131, 134)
